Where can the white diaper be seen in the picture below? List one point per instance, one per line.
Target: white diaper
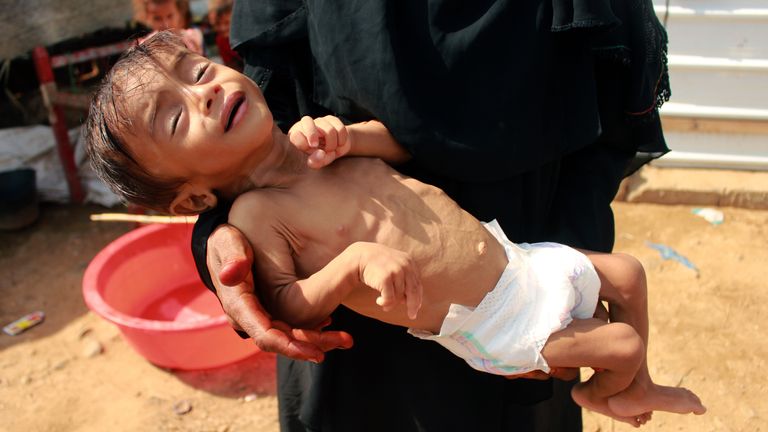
(544, 287)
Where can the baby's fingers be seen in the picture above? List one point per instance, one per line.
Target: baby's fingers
(334, 132)
(413, 296)
(387, 297)
(305, 135)
(320, 158)
(317, 159)
(329, 133)
(298, 140)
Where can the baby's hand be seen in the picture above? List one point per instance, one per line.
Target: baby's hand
(324, 139)
(394, 275)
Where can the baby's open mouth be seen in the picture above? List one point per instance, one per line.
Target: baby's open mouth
(235, 107)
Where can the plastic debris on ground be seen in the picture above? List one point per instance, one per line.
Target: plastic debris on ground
(713, 216)
(668, 253)
(24, 323)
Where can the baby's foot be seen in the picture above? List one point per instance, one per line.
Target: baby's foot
(636, 400)
(583, 397)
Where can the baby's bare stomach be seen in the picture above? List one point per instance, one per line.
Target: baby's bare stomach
(460, 268)
(458, 259)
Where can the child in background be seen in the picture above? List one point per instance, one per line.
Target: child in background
(219, 16)
(188, 132)
(175, 15)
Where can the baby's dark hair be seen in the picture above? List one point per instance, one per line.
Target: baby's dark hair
(108, 124)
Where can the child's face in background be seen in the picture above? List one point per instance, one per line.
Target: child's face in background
(164, 16)
(221, 23)
(196, 120)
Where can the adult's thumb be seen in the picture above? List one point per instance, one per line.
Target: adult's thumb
(235, 272)
(230, 255)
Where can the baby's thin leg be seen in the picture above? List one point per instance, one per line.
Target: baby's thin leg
(623, 286)
(615, 349)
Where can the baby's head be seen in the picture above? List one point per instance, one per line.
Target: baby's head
(171, 131)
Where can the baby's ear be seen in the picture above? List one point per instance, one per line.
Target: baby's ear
(192, 200)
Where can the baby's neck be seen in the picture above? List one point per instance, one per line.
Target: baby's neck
(283, 165)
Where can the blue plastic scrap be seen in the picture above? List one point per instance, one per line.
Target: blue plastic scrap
(669, 253)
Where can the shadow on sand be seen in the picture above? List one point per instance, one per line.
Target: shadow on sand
(253, 375)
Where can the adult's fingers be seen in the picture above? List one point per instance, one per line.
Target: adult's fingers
(565, 374)
(534, 374)
(276, 341)
(324, 340)
(235, 271)
(325, 323)
(243, 307)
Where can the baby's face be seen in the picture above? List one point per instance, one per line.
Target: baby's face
(196, 120)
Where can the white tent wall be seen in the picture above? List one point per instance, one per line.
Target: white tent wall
(718, 66)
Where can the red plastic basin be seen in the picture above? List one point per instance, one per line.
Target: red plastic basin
(145, 282)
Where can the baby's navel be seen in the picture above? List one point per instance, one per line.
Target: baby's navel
(482, 247)
(341, 230)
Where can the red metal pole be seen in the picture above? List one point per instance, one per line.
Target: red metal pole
(56, 118)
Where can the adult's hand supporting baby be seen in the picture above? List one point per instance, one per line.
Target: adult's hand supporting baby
(229, 261)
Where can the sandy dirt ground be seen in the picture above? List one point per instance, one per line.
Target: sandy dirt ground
(75, 372)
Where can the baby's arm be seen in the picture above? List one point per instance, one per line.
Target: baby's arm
(307, 302)
(326, 138)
